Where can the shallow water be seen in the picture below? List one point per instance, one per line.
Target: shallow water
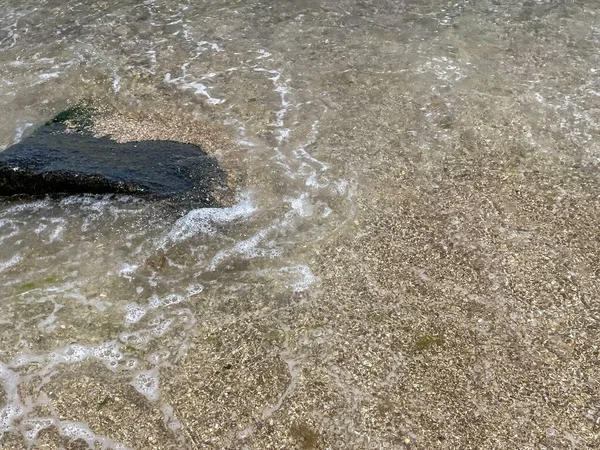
(322, 102)
(122, 280)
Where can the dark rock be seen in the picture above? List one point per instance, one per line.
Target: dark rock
(62, 157)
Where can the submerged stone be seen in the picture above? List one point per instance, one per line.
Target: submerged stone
(63, 157)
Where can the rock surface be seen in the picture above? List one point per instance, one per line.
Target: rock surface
(60, 158)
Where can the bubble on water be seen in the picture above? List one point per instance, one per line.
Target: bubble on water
(34, 426)
(137, 339)
(97, 205)
(8, 414)
(194, 289)
(155, 321)
(185, 316)
(30, 206)
(146, 383)
(13, 408)
(158, 357)
(81, 431)
(162, 328)
(133, 313)
(139, 289)
(16, 259)
(171, 299)
(131, 363)
(22, 360)
(77, 430)
(108, 353)
(71, 354)
(174, 425)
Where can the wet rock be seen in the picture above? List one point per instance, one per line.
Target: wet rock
(63, 157)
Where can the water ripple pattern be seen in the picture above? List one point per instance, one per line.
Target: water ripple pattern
(115, 280)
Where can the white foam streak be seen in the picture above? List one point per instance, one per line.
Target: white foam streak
(20, 130)
(184, 81)
(79, 430)
(197, 87)
(304, 276)
(247, 247)
(282, 89)
(107, 353)
(213, 46)
(116, 83)
(13, 408)
(16, 259)
(204, 220)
